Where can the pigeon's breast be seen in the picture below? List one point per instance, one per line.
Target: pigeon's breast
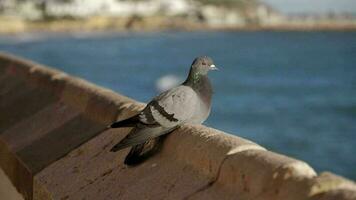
(202, 112)
(204, 92)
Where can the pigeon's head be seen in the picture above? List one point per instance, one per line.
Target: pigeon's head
(203, 65)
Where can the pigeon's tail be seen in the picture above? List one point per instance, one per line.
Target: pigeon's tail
(140, 135)
(141, 152)
(130, 122)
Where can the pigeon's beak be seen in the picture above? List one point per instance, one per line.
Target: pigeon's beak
(213, 67)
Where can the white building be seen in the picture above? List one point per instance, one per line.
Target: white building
(21, 9)
(119, 8)
(221, 17)
(74, 8)
(177, 7)
(268, 16)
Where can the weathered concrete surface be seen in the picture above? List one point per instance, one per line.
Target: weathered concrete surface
(54, 145)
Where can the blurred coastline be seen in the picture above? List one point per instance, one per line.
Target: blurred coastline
(18, 16)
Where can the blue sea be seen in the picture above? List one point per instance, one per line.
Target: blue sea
(292, 92)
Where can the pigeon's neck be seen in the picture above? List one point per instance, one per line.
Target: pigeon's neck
(200, 84)
(195, 77)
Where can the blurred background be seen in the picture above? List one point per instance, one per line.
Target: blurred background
(287, 76)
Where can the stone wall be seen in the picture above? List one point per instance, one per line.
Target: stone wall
(54, 145)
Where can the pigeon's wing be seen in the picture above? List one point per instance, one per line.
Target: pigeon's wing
(161, 116)
(139, 153)
(140, 134)
(169, 109)
(172, 108)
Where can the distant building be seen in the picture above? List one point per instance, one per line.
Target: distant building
(6, 5)
(268, 16)
(177, 7)
(117, 8)
(72, 8)
(221, 16)
(22, 9)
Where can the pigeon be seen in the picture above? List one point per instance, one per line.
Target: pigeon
(189, 102)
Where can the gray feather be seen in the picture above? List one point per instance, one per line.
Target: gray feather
(139, 153)
(140, 134)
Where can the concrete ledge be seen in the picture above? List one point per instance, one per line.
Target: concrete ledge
(54, 145)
